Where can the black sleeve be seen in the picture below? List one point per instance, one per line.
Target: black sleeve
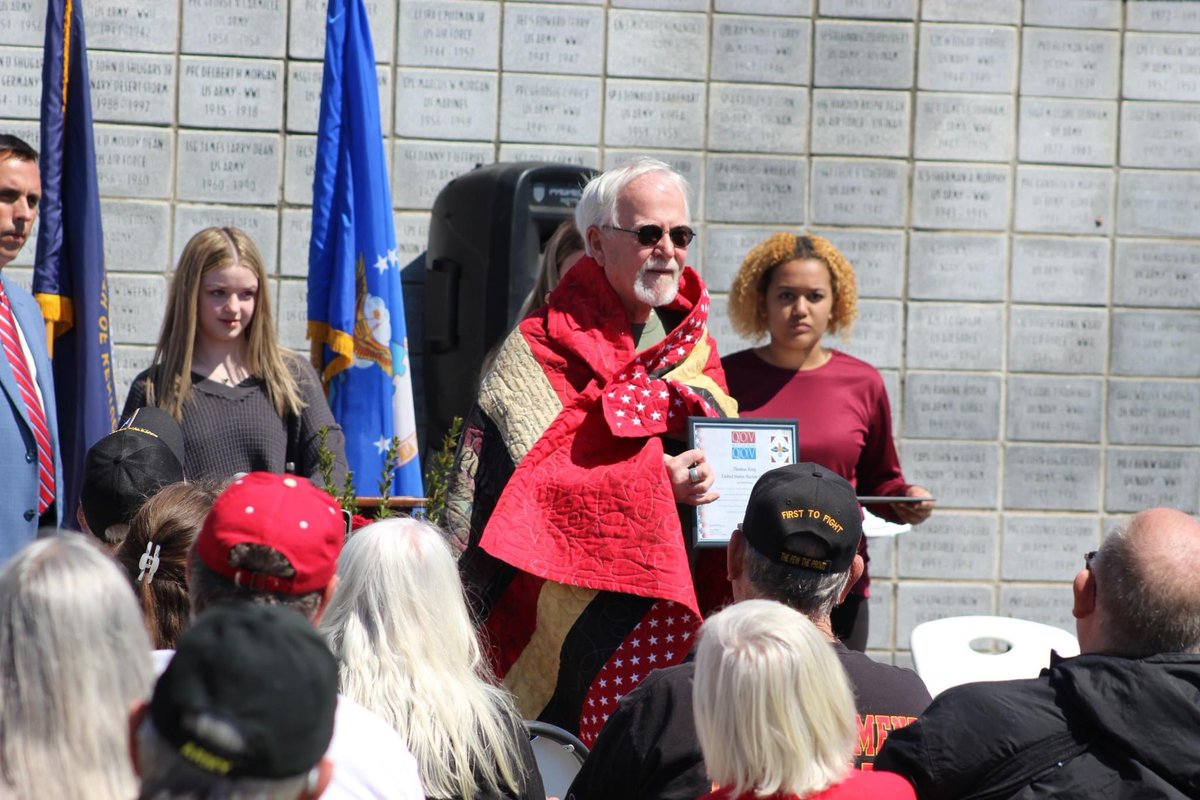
(304, 433)
(903, 753)
(137, 395)
(533, 789)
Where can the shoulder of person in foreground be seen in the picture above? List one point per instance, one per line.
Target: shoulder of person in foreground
(370, 760)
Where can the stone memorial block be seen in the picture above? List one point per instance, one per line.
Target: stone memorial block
(635, 40)
(948, 546)
(954, 336)
(662, 5)
(235, 27)
(1163, 15)
(689, 165)
(260, 224)
(1157, 343)
(1157, 274)
(580, 156)
(421, 169)
(866, 55)
(231, 93)
(412, 237)
(128, 362)
(782, 8)
(1051, 477)
(877, 258)
(963, 127)
(1063, 200)
(241, 168)
(870, 9)
(759, 49)
(1051, 409)
(27, 129)
(967, 58)
(724, 250)
(129, 87)
(463, 35)
(891, 385)
(952, 266)
(435, 104)
(1161, 66)
(1049, 605)
(860, 123)
(135, 237)
(1053, 339)
(295, 231)
(654, 114)
(1158, 204)
(755, 189)
(293, 314)
(966, 196)
(1135, 479)
(883, 559)
(1160, 135)
(1153, 412)
(1075, 14)
(1067, 63)
(559, 39)
(299, 168)
(25, 258)
(1048, 269)
(304, 97)
(859, 192)
(129, 299)
(133, 162)
(879, 637)
(757, 119)
(721, 329)
(922, 602)
(876, 335)
(959, 474)
(951, 406)
(306, 28)
(24, 23)
(1044, 548)
(538, 108)
(149, 26)
(1005, 12)
(1065, 131)
(21, 82)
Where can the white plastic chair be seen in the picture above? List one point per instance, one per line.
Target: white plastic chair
(943, 656)
(559, 755)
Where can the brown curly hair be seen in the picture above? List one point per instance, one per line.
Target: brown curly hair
(754, 276)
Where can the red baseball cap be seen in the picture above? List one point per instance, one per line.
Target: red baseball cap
(284, 512)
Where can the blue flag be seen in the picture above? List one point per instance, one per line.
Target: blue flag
(355, 306)
(68, 275)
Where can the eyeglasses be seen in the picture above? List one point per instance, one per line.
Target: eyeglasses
(1087, 559)
(648, 235)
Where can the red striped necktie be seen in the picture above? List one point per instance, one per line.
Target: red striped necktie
(33, 404)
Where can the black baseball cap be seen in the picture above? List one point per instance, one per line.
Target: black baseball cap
(790, 504)
(251, 692)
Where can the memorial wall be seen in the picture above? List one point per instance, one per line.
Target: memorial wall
(1017, 184)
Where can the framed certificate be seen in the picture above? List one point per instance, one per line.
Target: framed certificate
(739, 451)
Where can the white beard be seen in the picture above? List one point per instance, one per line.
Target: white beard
(649, 288)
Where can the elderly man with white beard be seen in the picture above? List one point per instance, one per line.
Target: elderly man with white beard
(573, 471)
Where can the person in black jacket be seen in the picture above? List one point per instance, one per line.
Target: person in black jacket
(1121, 720)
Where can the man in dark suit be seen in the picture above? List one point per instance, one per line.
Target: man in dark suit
(29, 456)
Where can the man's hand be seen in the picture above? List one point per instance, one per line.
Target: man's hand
(914, 513)
(691, 478)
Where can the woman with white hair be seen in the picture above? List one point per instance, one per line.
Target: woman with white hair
(74, 656)
(775, 712)
(399, 627)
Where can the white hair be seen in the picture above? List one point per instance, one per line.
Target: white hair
(774, 710)
(399, 626)
(597, 205)
(74, 656)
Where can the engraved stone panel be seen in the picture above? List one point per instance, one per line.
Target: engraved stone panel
(1049, 269)
(1160, 135)
(1135, 479)
(949, 406)
(1075, 14)
(1049, 605)
(412, 236)
(422, 169)
(1163, 15)
(537, 108)
(230, 93)
(129, 296)
(783, 8)
(724, 250)
(1054, 409)
(860, 123)
(967, 58)
(304, 97)
(952, 336)
(689, 165)
(142, 25)
(558, 39)
(132, 88)
(1062, 200)
(635, 40)
(640, 113)
(1161, 66)
(135, 235)
(296, 230)
(1002, 11)
(1051, 477)
(876, 336)
(1157, 274)
(299, 168)
(959, 546)
(1158, 204)
(446, 105)
(292, 318)
(757, 119)
(1068, 131)
(760, 50)
(869, 9)
(959, 474)
(879, 637)
(877, 258)
(858, 192)
(869, 55)
(1042, 339)
(721, 329)
(128, 362)
(21, 82)
(963, 127)
(260, 224)
(581, 156)
(1043, 548)
(306, 28)
(922, 602)
(24, 23)
(133, 162)
(229, 168)
(235, 27)
(1153, 412)
(966, 196)
(1062, 63)
(663, 5)
(465, 35)
(755, 189)
(956, 266)
(1159, 343)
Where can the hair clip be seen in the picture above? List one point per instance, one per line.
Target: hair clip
(148, 563)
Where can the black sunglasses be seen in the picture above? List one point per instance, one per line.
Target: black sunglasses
(1087, 559)
(648, 235)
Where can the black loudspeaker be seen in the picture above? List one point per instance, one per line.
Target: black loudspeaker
(485, 237)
